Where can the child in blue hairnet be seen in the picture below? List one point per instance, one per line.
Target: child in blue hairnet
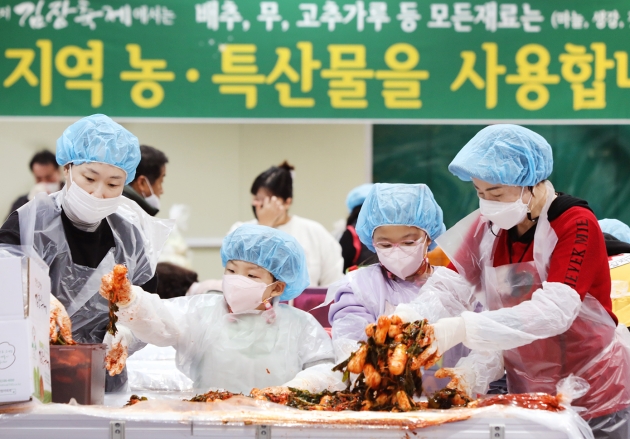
(244, 338)
(399, 222)
(82, 231)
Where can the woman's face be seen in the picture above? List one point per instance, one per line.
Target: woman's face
(500, 192)
(98, 179)
(257, 274)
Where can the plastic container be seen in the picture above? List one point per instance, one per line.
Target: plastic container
(78, 372)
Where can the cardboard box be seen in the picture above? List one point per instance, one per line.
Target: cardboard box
(24, 328)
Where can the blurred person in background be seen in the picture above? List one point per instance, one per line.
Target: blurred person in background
(354, 252)
(617, 239)
(177, 281)
(48, 177)
(174, 281)
(616, 236)
(146, 189)
(272, 196)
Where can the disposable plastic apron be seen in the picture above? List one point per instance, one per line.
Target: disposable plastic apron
(248, 352)
(589, 349)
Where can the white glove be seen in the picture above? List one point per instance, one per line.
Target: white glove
(440, 337)
(125, 290)
(406, 313)
(318, 378)
(462, 379)
(117, 350)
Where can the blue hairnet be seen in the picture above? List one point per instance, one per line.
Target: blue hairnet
(504, 154)
(97, 138)
(400, 204)
(356, 196)
(616, 228)
(277, 252)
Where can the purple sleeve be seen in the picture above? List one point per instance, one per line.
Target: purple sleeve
(345, 303)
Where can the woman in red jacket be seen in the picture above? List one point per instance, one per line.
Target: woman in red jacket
(537, 260)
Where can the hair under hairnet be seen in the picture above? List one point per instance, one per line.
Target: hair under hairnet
(504, 154)
(400, 204)
(616, 228)
(97, 138)
(357, 196)
(277, 252)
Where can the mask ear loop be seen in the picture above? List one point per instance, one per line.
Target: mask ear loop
(148, 184)
(529, 212)
(269, 311)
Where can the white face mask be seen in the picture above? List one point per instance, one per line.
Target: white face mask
(86, 208)
(403, 262)
(152, 200)
(505, 215)
(243, 294)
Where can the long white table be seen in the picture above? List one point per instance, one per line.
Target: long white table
(88, 427)
(172, 418)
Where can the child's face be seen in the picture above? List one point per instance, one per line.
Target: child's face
(257, 274)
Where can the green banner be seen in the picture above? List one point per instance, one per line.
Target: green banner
(321, 59)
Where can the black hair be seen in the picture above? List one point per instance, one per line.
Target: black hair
(173, 280)
(44, 157)
(354, 215)
(151, 162)
(531, 188)
(277, 180)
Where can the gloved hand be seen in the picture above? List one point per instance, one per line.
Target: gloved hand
(277, 394)
(276, 390)
(406, 313)
(59, 318)
(117, 350)
(440, 337)
(462, 379)
(125, 292)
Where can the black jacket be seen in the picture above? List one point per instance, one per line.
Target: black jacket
(130, 193)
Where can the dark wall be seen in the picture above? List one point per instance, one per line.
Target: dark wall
(590, 162)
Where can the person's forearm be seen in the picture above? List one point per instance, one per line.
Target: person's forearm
(551, 311)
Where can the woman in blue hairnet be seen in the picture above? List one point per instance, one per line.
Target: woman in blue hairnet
(616, 236)
(399, 222)
(537, 260)
(85, 229)
(616, 228)
(244, 338)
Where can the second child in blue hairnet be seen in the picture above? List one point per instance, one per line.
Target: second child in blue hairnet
(399, 222)
(244, 338)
